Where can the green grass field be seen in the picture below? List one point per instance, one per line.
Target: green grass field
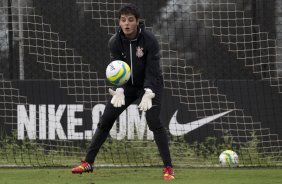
(140, 175)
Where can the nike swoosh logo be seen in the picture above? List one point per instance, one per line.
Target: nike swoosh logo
(178, 129)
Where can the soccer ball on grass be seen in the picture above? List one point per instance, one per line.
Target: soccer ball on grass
(118, 72)
(228, 158)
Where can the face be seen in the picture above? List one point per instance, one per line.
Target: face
(128, 24)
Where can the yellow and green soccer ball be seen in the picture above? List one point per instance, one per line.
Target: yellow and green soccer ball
(228, 158)
(118, 72)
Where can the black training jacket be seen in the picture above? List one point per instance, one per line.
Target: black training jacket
(142, 54)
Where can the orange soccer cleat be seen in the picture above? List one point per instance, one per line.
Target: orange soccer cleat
(83, 167)
(168, 173)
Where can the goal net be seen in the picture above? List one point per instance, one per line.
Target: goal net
(222, 76)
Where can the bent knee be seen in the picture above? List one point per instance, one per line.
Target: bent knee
(106, 124)
(157, 129)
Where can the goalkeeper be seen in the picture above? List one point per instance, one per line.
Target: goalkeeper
(140, 49)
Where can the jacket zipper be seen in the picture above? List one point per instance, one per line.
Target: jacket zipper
(131, 71)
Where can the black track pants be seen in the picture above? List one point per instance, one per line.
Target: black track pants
(111, 113)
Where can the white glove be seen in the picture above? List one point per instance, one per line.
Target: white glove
(146, 102)
(118, 97)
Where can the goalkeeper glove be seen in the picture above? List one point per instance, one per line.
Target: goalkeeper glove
(146, 102)
(118, 97)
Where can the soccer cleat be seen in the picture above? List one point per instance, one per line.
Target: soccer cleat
(168, 173)
(83, 167)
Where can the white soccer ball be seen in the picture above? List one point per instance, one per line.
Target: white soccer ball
(118, 72)
(228, 158)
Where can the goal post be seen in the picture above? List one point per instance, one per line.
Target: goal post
(222, 83)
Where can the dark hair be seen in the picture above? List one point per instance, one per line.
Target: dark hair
(129, 9)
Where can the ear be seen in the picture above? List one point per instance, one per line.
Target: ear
(137, 21)
(119, 22)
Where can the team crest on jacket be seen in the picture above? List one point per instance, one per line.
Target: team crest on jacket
(139, 52)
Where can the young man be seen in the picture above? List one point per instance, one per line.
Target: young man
(140, 49)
